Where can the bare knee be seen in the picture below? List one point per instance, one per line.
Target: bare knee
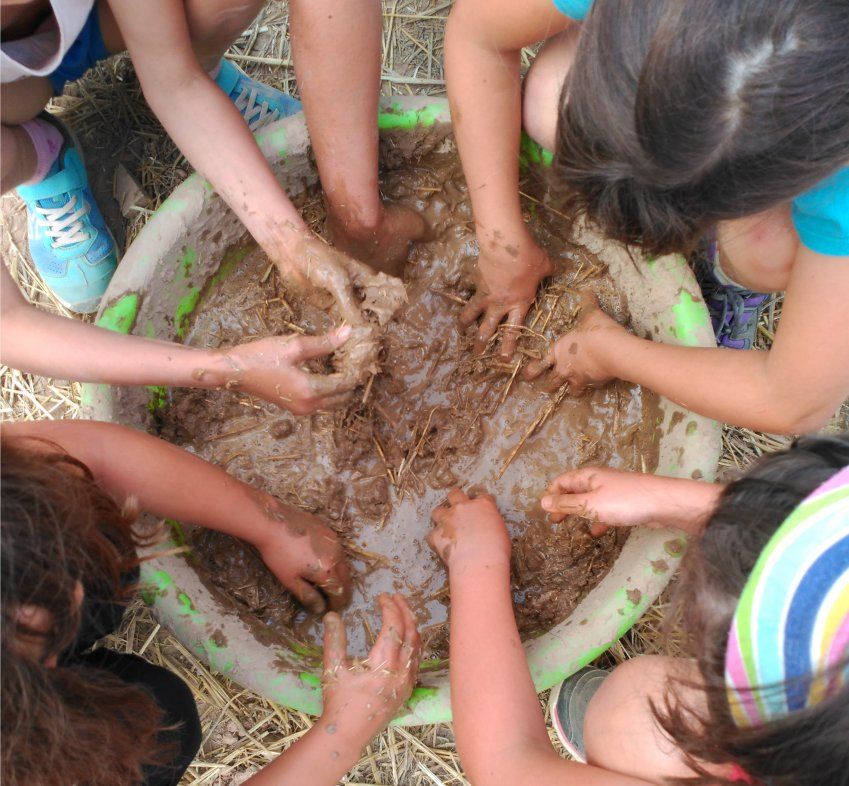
(758, 251)
(544, 84)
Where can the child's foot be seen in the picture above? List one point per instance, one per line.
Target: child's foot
(734, 311)
(385, 247)
(72, 249)
(568, 706)
(259, 104)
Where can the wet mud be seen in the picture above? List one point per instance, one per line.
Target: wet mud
(435, 416)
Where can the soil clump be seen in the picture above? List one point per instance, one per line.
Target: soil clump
(435, 416)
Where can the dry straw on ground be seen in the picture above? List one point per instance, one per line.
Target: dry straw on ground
(243, 732)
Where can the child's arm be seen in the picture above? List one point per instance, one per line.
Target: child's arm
(500, 730)
(167, 481)
(483, 41)
(213, 136)
(359, 700)
(794, 388)
(41, 343)
(610, 497)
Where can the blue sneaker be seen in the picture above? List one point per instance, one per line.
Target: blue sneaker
(734, 311)
(568, 704)
(259, 104)
(73, 251)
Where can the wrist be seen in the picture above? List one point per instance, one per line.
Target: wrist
(463, 566)
(348, 732)
(216, 369)
(610, 349)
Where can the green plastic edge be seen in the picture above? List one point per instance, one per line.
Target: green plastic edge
(396, 117)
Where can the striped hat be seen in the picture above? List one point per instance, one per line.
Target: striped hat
(791, 626)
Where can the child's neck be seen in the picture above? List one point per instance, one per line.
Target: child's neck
(21, 20)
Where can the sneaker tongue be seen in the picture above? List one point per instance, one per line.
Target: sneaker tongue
(55, 201)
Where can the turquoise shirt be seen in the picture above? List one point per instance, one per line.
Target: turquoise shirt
(821, 215)
(574, 9)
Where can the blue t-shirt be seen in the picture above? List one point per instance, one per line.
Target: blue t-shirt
(820, 215)
(574, 9)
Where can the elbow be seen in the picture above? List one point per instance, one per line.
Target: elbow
(484, 766)
(798, 416)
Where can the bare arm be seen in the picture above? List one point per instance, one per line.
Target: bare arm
(794, 388)
(610, 497)
(35, 341)
(500, 728)
(167, 481)
(204, 124)
(483, 41)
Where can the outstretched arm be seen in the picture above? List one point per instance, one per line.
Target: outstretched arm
(500, 729)
(792, 389)
(167, 481)
(610, 498)
(35, 341)
(483, 41)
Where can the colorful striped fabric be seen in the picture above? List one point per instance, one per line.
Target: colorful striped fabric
(791, 626)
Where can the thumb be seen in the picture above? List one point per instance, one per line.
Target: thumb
(578, 504)
(536, 367)
(335, 644)
(307, 347)
(311, 599)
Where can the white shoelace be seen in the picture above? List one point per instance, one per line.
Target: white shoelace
(64, 224)
(256, 114)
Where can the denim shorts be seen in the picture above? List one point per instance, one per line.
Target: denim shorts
(85, 52)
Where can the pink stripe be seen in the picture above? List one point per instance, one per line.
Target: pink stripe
(739, 679)
(839, 647)
(835, 481)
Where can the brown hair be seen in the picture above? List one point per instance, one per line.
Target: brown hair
(677, 115)
(806, 748)
(68, 724)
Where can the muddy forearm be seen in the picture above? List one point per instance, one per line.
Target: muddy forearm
(321, 757)
(731, 386)
(485, 92)
(496, 710)
(323, 31)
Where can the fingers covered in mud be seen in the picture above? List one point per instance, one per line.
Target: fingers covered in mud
(335, 644)
(469, 529)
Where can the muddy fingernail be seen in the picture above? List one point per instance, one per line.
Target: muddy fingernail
(547, 503)
(344, 333)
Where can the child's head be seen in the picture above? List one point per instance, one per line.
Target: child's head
(61, 536)
(677, 115)
(713, 576)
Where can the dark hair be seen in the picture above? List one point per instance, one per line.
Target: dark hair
(807, 748)
(68, 724)
(677, 115)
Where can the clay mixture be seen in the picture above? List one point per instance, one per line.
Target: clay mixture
(436, 416)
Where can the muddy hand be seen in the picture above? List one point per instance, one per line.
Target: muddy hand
(576, 358)
(505, 288)
(383, 247)
(469, 529)
(306, 556)
(271, 369)
(371, 693)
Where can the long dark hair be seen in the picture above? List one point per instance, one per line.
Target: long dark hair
(679, 114)
(67, 724)
(807, 748)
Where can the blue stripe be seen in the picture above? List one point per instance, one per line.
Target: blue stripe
(801, 618)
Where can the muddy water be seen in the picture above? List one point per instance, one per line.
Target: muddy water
(435, 417)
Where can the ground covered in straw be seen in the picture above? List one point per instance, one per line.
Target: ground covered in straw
(243, 732)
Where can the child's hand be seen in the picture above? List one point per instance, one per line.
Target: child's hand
(306, 557)
(270, 369)
(469, 530)
(576, 356)
(506, 286)
(368, 695)
(610, 497)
